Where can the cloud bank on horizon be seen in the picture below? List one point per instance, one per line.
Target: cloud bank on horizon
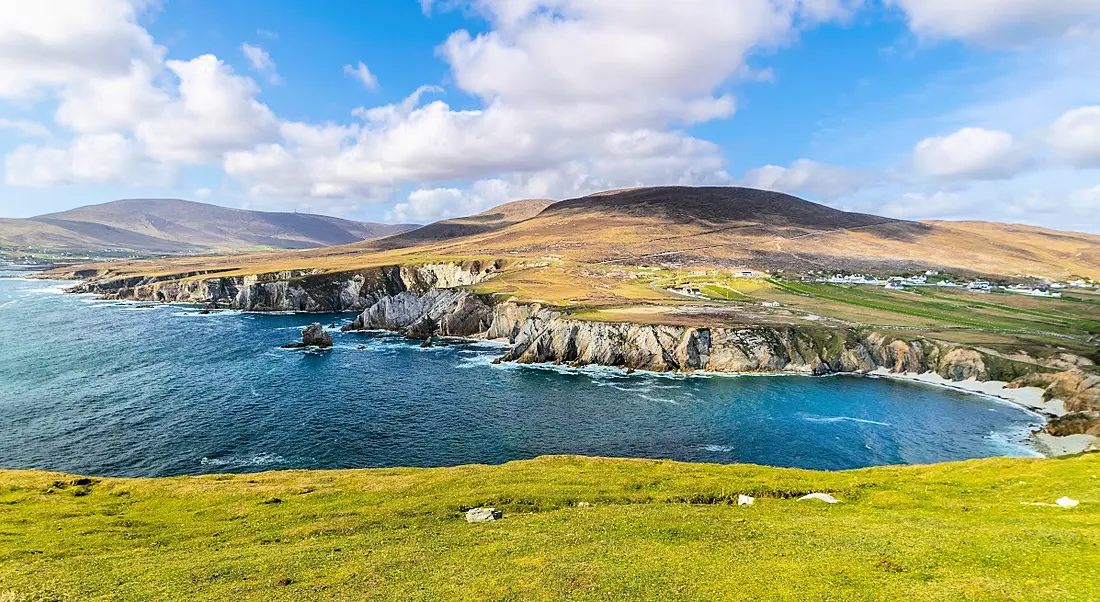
(560, 98)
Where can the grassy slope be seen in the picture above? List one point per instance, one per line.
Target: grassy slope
(654, 531)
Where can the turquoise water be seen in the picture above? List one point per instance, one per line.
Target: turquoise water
(106, 388)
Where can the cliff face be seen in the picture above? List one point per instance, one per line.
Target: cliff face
(301, 291)
(538, 334)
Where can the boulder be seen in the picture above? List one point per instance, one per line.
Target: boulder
(823, 497)
(313, 335)
(483, 515)
(745, 500)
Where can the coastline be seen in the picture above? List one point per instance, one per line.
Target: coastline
(1027, 398)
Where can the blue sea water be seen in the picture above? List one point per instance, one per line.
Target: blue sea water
(107, 388)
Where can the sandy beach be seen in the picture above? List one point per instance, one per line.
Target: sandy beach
(1029, 398)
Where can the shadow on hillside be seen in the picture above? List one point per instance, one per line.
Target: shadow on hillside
(718, 206)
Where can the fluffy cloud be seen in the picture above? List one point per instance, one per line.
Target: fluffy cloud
(115, 94)
(1086, 200)
(807, 177)
(999, 20)
(261, 62)
(970, 153)
(362, 73)
(918, 205)
(565, 85)
(91, 159)
(1075, 137)
(215, 113)
(112, 103)
(429, 205)
(49, 45)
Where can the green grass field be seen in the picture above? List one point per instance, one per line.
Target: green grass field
(651, 530)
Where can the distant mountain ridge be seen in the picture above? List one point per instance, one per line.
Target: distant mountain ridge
(175, 226)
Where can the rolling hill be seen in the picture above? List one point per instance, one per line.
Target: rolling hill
(742, 227)
(172, 226)
(494, 219)
(682, 226)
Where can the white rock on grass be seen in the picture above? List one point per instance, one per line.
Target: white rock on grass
(483, 515)
(1066, 502)
(824, 497)
(745, 500)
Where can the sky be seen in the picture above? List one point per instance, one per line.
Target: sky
(413, 111)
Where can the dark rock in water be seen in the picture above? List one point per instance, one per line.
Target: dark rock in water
(205, 312)
(427, 343)
(314, 335)
(333, 325)
(362, 348)
(497, 361)
(421, 330)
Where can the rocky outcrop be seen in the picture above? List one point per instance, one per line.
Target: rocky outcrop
(1080, 395)
(298, 291)
(543, 335)
(313, 335)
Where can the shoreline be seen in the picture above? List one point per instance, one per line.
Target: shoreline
(1028, 399)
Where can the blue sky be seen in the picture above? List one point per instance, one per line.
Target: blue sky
(923, 109)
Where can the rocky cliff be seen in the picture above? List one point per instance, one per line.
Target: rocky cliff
(300, 291)
(538, 334)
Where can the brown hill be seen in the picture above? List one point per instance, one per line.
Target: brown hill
(176, 226)
(494, 219)
(769, 230)
(725, 227)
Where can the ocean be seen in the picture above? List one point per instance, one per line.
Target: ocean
(138, 390)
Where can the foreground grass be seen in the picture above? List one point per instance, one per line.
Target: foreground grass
(651, 531)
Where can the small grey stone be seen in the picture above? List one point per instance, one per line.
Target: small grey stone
(824, 497)
(483, 515)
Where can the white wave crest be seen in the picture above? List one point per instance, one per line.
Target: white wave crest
(263, 459)
(831, 419)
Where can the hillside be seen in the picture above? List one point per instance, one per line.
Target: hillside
(494, 219)
(739, 227)
(646, 530)
(171, 226)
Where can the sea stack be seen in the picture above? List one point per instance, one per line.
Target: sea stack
(314, 335)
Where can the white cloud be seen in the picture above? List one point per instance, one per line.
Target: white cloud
(917, 205)
(214, 113)
(91, 159)
(30, 129)
(807, 177)
(631, 161)
(49, 45)
(999, 20)
(267, 33)
(429, 205)
(362, 73)
(261, 62)
(1086, 200)
(1075, 137)
(203, 193)
(970, 153)
(112, 103)
(580, 88)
